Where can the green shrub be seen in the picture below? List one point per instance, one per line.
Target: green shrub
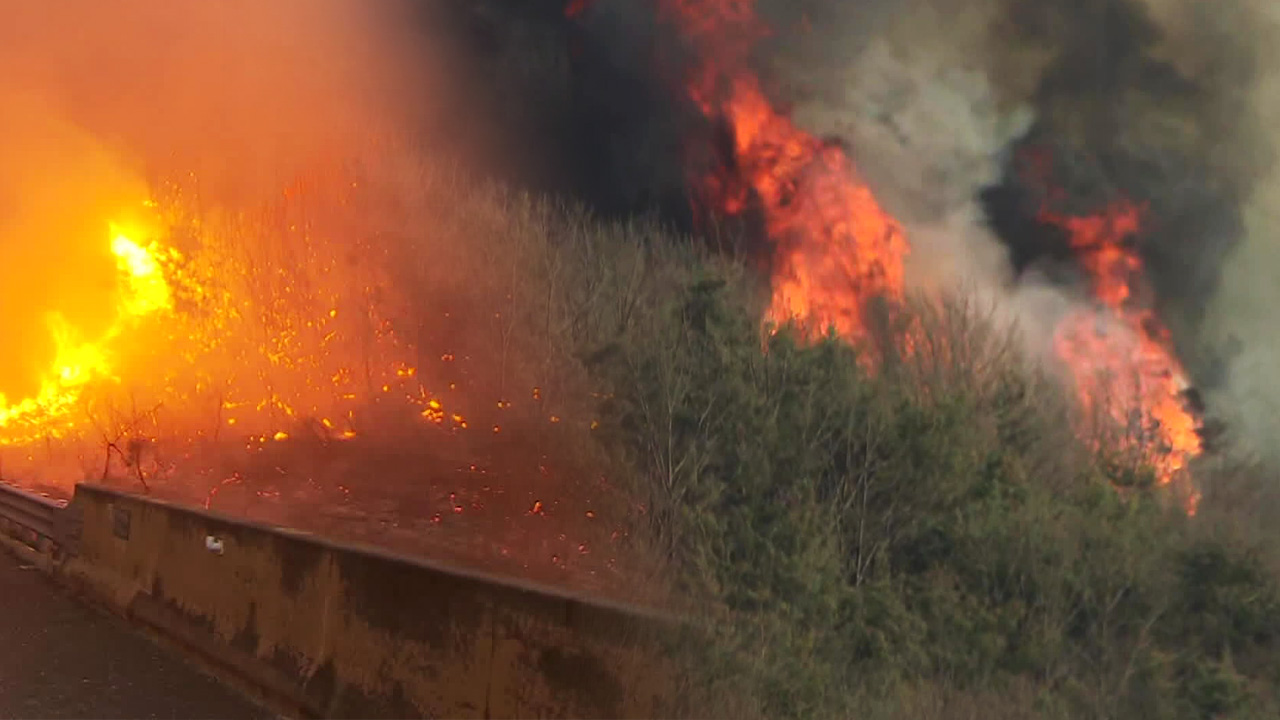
(933, 521)
(905, 528)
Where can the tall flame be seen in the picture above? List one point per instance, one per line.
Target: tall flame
(1120, 354)
(835, 247)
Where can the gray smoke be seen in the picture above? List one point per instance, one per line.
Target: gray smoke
(1240, 315)
(1165, 102)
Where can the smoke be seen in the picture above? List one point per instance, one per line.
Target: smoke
(1168, 103)
(927, 127)
(239, 92)
(1239, 317)
(1165, 102)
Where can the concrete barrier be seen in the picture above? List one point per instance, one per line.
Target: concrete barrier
(342, 631)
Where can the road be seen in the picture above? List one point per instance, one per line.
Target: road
(62, 659)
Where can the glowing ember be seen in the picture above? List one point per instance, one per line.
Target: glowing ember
(1120, 357)
(836, 247)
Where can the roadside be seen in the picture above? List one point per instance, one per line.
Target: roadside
(62, 659)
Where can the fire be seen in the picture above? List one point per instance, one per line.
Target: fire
(78, 362)
(835, 247)
(248, 332)
(148, 291)
(1120, 355)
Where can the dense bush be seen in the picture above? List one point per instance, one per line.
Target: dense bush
(906, 528)
(928, 529)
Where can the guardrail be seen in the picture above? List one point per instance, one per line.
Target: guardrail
(30, 518)
(326, 629)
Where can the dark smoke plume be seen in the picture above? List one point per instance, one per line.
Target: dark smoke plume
(1161, 102)
(1117, 117)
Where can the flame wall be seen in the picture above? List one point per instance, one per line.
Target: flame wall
(53, 258)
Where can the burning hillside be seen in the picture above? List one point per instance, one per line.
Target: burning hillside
(908, 385)
(280, 315)
(835, 247)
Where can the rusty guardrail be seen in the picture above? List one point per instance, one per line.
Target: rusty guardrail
(30, 518)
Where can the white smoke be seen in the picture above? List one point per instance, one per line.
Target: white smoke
(935, 92)
(929, 129)
(1243, 312)
(1241, 315)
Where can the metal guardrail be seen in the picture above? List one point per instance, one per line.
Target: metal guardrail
(29, 517)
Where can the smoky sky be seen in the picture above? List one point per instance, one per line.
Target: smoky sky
(1117, 118)
(591, 106)
(1146, 101)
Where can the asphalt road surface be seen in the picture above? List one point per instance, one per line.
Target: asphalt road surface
(62, 659)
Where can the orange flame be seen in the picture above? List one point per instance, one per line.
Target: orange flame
(77, 362)
(835, 247)
(1126, 372)
(256, 341)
